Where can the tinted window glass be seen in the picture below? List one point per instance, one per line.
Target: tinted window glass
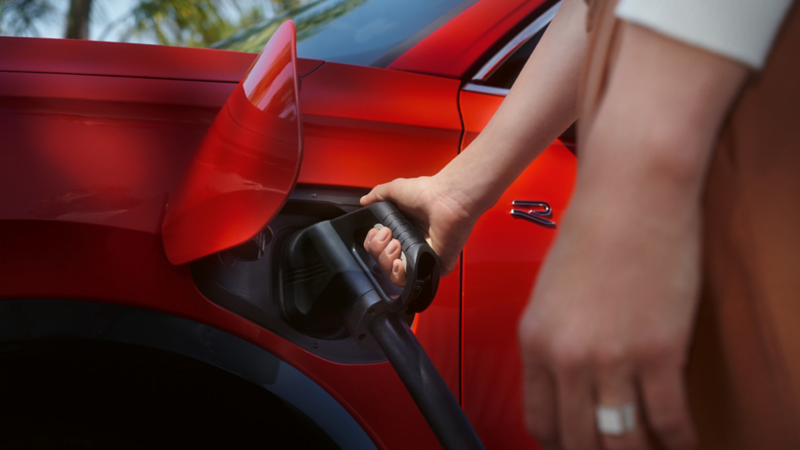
(505, 75)
(363, 32)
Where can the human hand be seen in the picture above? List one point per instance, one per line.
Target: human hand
(611, 316)
(609, 324)
(446, 217)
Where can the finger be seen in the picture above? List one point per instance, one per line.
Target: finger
(538, 384)
(667, 411)
(371, 197)
(378, 245)
(398, 275)
(616, 388)
(574, 382)
(576, 411)
(381, 192)
(370, 236)
(402, 192)
(540, 405)
(388, 256)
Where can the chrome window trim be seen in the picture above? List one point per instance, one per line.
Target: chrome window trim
(519, 40)
(481, 89)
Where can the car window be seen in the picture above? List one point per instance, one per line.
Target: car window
(502, 68)
(506, 74)
(362, 32)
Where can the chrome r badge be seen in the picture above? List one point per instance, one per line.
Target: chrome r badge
(536, 212)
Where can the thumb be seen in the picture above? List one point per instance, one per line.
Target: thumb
(382, 192)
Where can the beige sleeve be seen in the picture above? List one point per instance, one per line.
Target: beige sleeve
(739, 29)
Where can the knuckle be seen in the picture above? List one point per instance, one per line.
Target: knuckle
(375, 244)
(386, 263)
(374, 249)
(658, 351)
(570, 356)
(533, 339)
(610, 357)
(377, 194)
(529, 335)
(387, 187)
(384, 260)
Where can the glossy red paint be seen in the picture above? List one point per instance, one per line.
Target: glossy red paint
(247, 163)
(70, 56)
(98, 150)
(96, 136)
(457, 46)
(90, 162)
(476, 111)
(365, 126)
(501, 260)
(62, 260)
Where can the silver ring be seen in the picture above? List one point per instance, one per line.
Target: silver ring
(616, 420)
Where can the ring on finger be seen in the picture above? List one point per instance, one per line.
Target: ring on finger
(616, 420)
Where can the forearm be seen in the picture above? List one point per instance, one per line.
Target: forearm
(613, 306)
(539, 107)
(646, 157)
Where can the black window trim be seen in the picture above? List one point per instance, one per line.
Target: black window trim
(486, 71)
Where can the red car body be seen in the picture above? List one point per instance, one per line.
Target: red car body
(96, 136)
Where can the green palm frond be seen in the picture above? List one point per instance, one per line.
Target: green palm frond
(20, 17)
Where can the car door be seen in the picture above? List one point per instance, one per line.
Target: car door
(505, 251)
(363, 126)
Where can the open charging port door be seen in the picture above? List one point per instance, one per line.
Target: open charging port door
(240, 177)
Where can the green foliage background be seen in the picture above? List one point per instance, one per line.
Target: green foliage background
(196, 23)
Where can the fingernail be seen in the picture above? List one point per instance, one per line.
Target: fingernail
(385, 234)
(395, 269)
(392, 247)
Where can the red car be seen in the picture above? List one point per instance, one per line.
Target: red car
(142, 266)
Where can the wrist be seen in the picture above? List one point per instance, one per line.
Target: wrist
(477, 181)
(470, 193)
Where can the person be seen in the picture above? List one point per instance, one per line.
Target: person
(619, 350)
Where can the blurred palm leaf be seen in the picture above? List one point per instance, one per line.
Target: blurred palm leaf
(19, 17)
(181, 22)
(309, 17)
(200, 23)
(280, 6)
(172, 22)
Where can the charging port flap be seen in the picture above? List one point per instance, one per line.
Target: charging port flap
(247, 163)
